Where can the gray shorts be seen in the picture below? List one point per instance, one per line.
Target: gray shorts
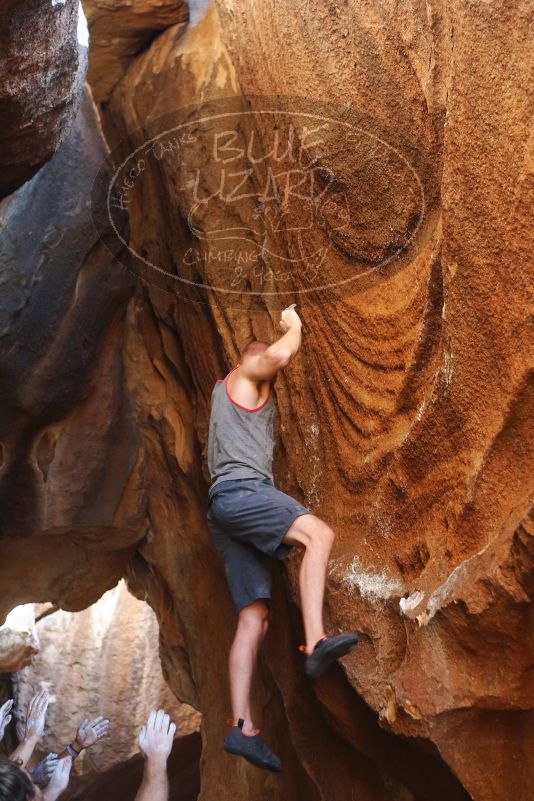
(247, 521)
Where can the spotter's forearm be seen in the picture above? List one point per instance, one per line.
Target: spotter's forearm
(155, 785)
(23, 752)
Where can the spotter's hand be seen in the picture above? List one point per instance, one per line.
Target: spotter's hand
(90, 731)
(59, 779)
(5, 716)
(35, 716)
(156, 736)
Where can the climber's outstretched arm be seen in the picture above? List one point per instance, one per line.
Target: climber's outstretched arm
(155, 743)
(266, 365)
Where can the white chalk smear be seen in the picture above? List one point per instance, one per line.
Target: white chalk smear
(369, 585)
(413, 600)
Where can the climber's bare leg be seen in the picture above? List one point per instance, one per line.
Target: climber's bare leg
(251, 629)
(317, 538)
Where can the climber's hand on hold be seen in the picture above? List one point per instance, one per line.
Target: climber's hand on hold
(5, 716)
(290, 319)
(265, 366)
(156, 737)
(59, 780)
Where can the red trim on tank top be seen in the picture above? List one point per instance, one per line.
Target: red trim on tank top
(244, 408)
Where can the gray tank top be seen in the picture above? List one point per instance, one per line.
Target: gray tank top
(240, 442)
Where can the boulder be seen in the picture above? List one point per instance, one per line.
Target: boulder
(71, 504)
(404, 423)
(119, 30)
(18, 640)
(42, 64)
(382, 154)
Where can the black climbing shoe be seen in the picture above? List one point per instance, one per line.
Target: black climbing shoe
(251, 748)
(327, 651)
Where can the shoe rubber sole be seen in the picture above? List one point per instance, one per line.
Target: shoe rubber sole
(329, 652)
(256, 762)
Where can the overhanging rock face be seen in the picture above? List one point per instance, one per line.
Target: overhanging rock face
(42, 67)
(404, 423)
(69, 447)
(120, 30)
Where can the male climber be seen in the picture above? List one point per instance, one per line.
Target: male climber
(250, 521)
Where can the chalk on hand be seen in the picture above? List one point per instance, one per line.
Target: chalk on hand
(290, 308)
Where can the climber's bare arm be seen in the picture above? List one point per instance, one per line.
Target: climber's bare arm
(155, 743)
(266, 365)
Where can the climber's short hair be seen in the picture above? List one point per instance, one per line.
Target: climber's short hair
(255, 347)
(15, 784)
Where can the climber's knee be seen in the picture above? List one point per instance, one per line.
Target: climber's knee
(253, 619)
(311, 532)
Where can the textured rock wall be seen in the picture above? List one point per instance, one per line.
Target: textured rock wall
(101, 661)
(120, 29)
(18, 639)
(404, 422)
(42, 65)
(67, 531)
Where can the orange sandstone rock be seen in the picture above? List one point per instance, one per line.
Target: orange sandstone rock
(405, 422)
